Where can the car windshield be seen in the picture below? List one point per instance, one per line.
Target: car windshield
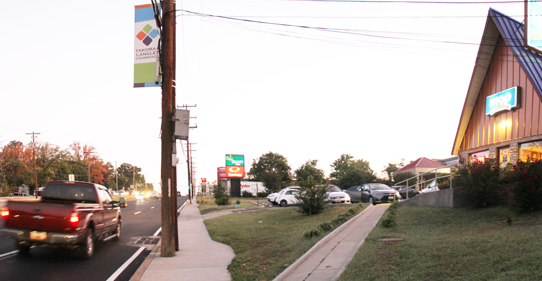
(378, 186)
(333, 188)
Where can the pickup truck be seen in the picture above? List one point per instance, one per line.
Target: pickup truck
(68, 214)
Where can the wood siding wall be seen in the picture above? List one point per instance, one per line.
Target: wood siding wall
(504, 72)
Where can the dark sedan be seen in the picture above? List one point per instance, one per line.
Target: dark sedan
(373, 193)
(411, 192)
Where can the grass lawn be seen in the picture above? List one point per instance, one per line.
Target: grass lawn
(267, 241)
(210, 205)
(452, 244)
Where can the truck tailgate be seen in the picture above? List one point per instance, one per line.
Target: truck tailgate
(50, 217)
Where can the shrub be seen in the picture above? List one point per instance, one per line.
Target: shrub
(220, 195)
(312, 198)
(524, 186)
(262, 194)
(480, 183)
(389, 220)
(247, 194)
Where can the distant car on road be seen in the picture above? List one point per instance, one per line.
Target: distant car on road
(411, 192)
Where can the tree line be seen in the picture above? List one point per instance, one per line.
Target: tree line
(54, 163)
(274, 171)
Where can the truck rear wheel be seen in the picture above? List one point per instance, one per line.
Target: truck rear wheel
(86, 249)
(23, 248)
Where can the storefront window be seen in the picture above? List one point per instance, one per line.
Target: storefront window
(479, 156)
(504, 156)
(530, 151)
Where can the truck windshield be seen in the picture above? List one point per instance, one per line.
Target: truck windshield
(75, 193)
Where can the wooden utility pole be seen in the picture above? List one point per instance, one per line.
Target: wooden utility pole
(168, 110)
(34, 157)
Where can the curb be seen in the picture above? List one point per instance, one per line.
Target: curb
(143, 267)
(316, 246)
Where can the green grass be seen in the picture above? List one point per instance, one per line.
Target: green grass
(452, 244)
(210, 206)
(267, 241)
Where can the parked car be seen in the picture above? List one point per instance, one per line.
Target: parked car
(281, 192)
(355, 193)
(336, 195)
(433, 186)
(21, 194)
(287, 197)
(375, 193)
(411, 192)
(271, 197)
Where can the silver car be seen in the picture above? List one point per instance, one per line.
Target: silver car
(376, 193)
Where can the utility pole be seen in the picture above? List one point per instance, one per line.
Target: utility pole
(34, 157)
(168, 109)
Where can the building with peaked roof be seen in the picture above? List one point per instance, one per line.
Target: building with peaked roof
(423, 165)
(502, 113)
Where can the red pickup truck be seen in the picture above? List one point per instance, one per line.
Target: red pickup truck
(69, 214)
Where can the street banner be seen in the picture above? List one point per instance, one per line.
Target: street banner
(146, 53)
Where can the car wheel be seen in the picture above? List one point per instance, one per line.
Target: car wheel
(371, 201)
(23, 248)
(86, 249)
(117, 233)
(283, 203)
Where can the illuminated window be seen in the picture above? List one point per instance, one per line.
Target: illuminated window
(530, 151)
(504, 155)
(479, 156)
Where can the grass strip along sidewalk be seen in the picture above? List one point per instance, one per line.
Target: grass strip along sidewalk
(267, 241)
(452, 244)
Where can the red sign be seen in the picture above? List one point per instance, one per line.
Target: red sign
(235, 171)
(221, 173)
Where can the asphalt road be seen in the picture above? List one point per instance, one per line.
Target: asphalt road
(140, 219)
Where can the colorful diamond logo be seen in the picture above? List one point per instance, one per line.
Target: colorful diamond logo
(147, 34)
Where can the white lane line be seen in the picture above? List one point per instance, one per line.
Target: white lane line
(137, 213)
(9, 254)
(125, 265)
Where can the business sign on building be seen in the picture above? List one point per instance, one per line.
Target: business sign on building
(533, 24)
(146, 53)
(235, 166)
(503, 101)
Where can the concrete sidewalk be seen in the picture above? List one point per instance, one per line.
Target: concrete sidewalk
(198, 258)
(329, 257)
(202, 259)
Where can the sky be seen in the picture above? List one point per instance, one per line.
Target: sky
(382, 81)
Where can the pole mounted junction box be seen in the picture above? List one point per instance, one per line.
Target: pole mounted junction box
(182, 124)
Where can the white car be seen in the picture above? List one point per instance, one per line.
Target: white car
(336, 195)
(276, 200)
(287, 198)
(433, 186)
(271, 197)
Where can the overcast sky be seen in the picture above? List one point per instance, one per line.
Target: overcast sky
(383, 82)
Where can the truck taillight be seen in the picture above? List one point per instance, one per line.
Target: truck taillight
(5, 213)
(74, 219)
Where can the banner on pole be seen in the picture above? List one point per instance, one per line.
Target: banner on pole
(146, 52)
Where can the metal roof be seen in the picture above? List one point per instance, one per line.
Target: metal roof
(512, 31)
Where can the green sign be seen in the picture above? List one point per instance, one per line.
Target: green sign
(235, 160)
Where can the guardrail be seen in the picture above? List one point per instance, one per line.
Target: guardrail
(424, 182)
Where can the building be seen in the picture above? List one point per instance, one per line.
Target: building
(502, 113)
(423, 165)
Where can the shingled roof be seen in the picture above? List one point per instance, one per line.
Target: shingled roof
(421, 163)
(498, 25)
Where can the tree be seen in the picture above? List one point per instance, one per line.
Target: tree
(307, 170)
(272, 169)
(403, 176)
(16, 161)
(312, 197)
(348, 172)
(126, 175)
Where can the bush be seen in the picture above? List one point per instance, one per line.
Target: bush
(480, 183)
(389, 220)
(312, 198)
(262, 194)
(247, 194)
(220, 195)
(524, 186)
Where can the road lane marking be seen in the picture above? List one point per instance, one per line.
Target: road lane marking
(137, 213)
(125, 265)
(9, 254)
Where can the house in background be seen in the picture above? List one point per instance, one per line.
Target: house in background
(425, 170)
